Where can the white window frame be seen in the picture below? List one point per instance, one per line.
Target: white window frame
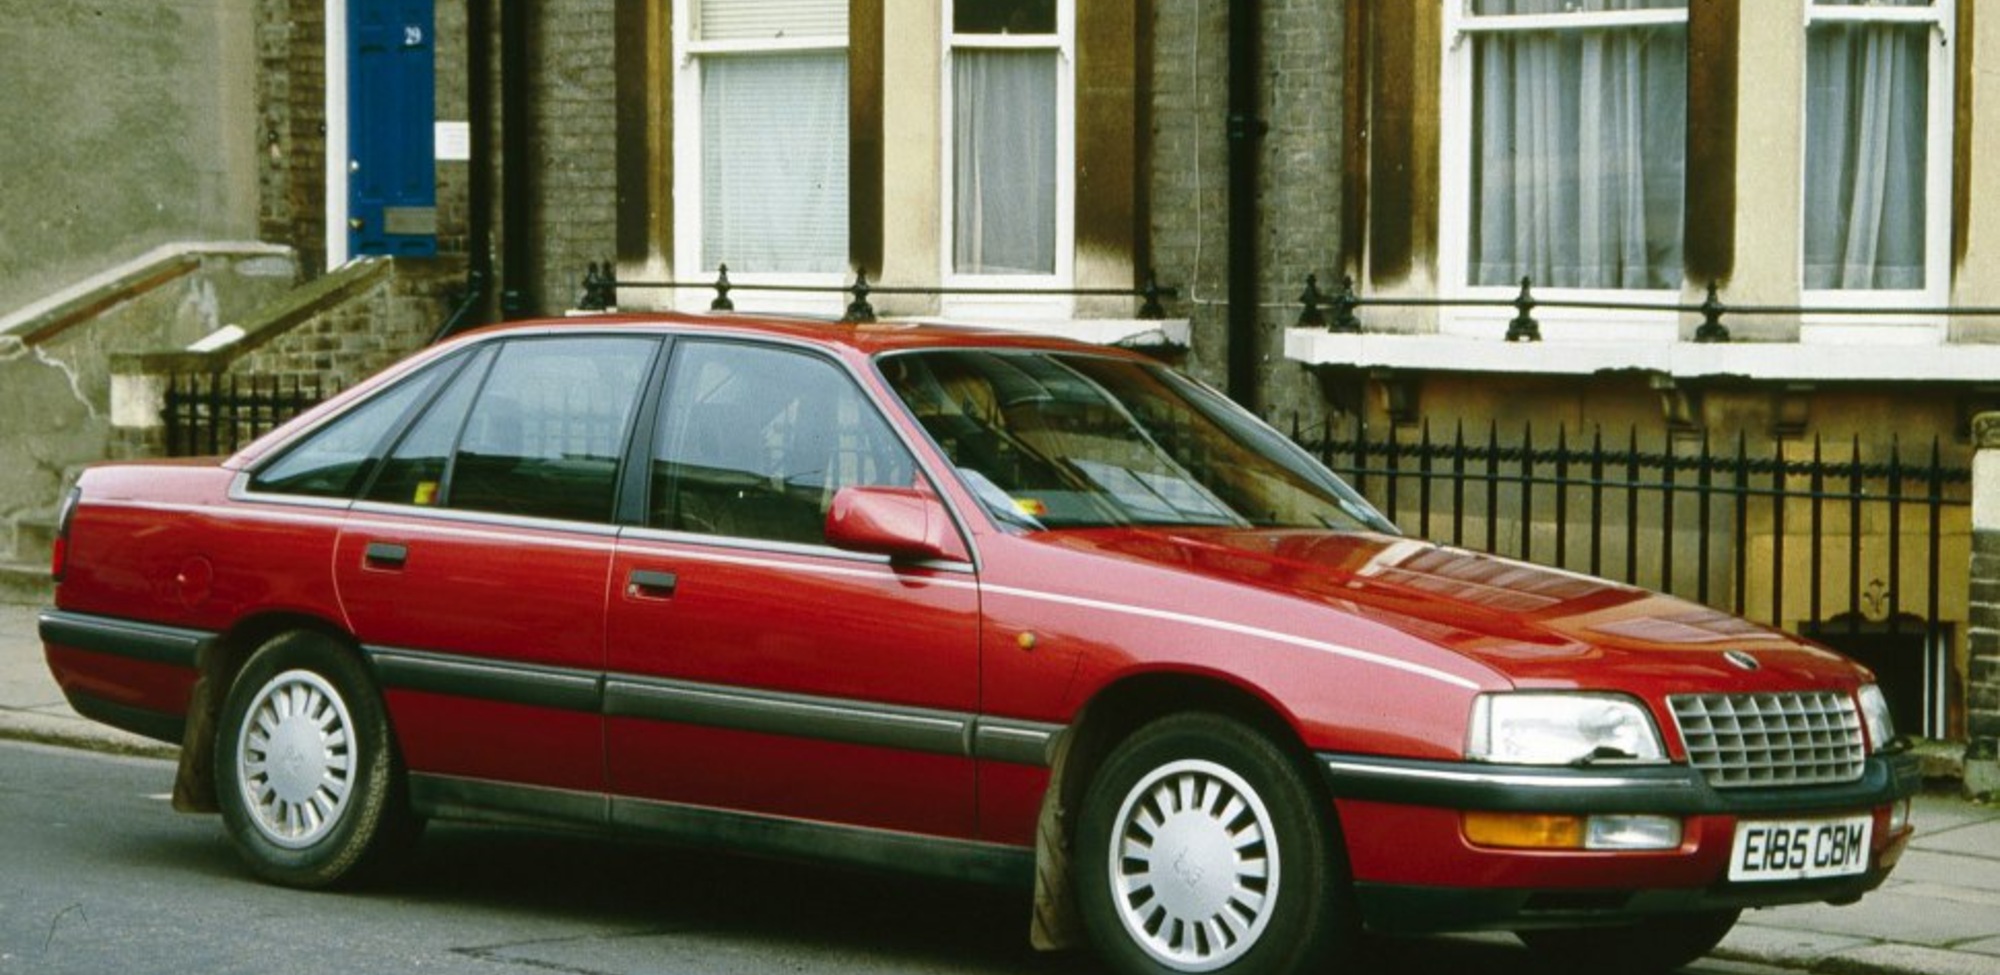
(687, 155)
(1456, 100)
(1018, 307)
(1941, 15)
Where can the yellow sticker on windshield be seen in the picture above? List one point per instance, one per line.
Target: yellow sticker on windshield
(1030, 506)
(427, 492)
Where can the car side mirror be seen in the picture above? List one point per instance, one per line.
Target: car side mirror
(903, 523)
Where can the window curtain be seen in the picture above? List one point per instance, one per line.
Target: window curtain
(1867, 141)
(774, 162)
(1579, 149)
(1004, 151)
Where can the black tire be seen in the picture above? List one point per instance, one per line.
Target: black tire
(1254, 852)
(307, 775)
(1660, 944)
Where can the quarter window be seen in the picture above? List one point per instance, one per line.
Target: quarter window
(336, 460)
(1872, 183)
(1010, 88)
(1575, 121)
(754, 442)
(762, 129)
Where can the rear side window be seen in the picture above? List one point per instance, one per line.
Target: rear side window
(336, 460)
(547, 429)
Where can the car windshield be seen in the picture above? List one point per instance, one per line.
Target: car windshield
(1072, 440)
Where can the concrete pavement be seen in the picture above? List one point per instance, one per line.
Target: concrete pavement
(1939, 914)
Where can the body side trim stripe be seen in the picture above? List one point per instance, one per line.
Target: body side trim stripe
(559, 688)
(798, 716)
(738, 709)
(150, 642)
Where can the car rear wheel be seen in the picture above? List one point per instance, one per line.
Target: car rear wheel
(1660, 944)
(1204, 847)
(309, 782)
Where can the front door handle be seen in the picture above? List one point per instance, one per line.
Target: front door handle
(386, 555)
(651, 583)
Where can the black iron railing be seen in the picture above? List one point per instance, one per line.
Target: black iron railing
(601, 286)
(1830, 539)
(207, 413)
(1337, 312)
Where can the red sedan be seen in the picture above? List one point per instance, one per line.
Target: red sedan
(952, 601)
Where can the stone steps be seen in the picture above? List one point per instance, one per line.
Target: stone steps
(26, 583)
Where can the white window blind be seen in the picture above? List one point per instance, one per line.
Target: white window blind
(774, 162)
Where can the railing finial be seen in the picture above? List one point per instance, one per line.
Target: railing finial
(859, 310)
(722, 302)
(1712, 329)
(1310, 316)
(1524, 328)
(1344, 304)
(600, 287)
(1150, 308)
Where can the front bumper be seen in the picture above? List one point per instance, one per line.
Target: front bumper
(1414, 871)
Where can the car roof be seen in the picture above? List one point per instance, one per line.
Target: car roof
(865, 338)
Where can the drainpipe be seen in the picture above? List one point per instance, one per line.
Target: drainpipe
(1244, 130)
(471, 310)
(516, 247)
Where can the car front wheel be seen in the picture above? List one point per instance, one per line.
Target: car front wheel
(307, 765)
(1204, 847)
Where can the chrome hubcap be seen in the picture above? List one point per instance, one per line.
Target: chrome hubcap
(296, 758)
(1194, 866)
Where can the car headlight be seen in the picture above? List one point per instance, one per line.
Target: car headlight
(1875, 714)
(1532, 728)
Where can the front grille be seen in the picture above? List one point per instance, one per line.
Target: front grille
(1748, 740)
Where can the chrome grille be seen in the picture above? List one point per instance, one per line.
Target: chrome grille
(1748, 740)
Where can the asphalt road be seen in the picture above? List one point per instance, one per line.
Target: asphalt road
(98, 874)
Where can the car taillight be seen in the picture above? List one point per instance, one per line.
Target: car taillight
(59, 553)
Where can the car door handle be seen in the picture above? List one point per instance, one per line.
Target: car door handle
(386, 555)
(651, 583)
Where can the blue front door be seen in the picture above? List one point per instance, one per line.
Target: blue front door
(391, 97)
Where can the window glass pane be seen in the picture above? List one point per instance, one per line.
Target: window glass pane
(741, 20)
(336, 460)
(545, 437)
(774, 162)
(1578, 157)
(1004, 150)
(1867, 155)
(414, 471)
(1003, 16)
(1079, 441)
(753, 442)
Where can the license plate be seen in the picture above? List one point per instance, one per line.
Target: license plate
(1800, 849)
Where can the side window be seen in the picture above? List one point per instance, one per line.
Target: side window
(414, 471)
(545, 435)
(753, 442)
(335, 461)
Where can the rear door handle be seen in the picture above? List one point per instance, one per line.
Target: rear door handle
(386, 555)
(651, 583)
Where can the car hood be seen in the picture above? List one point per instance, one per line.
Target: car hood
(1536, 625)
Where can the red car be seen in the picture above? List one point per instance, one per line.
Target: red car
(954, 601)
